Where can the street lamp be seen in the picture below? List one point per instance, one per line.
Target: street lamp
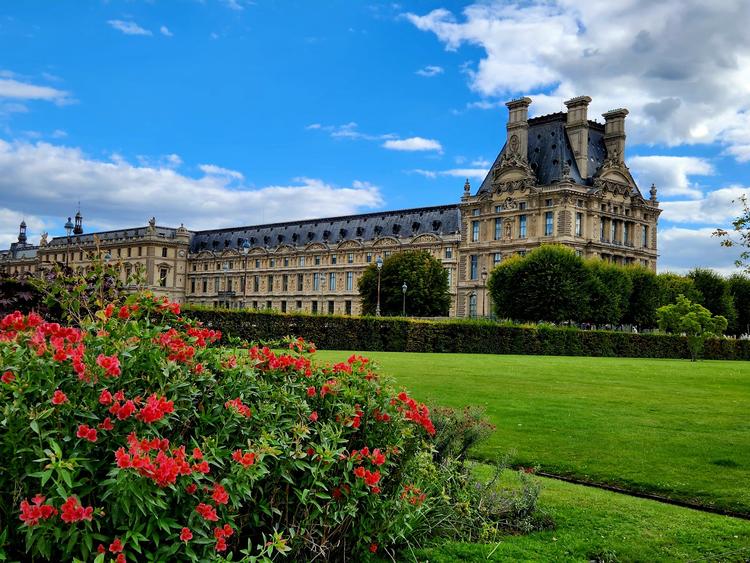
(69, 231)
(403, 305)
(379, 264)
(484, 288)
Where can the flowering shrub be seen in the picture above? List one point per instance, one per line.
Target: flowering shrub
(133, 437)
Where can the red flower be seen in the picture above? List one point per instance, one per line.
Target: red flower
(31, 514)
(106, 424)
(7, 377)
(121, 558)
(311, 391)
(373, 547)
(86, 432)
(124, 312)
(220, 495)
(155, 409)
(314, 416)
(221, 544)
(197, 453)
(191, 488)
(202, 467)
(111, 365)
(247, 459)
(73, 511)
(186, 535)
(238, 406)
(377, 457)
(59, 398)
(101, 549)
(359, 471)
(109, 310)
(207, 511)
(116, 546)
(105, 397)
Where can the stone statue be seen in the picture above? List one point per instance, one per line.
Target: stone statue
(43, 239)
(152, 224)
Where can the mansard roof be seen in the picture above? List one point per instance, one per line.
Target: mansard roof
(549, 151)
(441, 220)
(111, 236)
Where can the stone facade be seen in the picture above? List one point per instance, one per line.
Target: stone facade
(560, 178)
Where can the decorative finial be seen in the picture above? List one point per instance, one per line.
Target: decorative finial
(78, 228)
(467, 186)
(652, 191)
(22, 232)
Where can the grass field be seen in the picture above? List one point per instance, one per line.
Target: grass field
(595, 525)
(669, 427)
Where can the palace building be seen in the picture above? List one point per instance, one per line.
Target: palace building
(559, 178)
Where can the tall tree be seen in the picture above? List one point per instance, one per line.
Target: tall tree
(426, 286)
(714, 291)
(609, 292)
(739, 288)
(644, 297)
(501, 288)
(671, 285)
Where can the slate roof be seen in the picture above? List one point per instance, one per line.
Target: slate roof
(442, 220)
(166, 232)
(549, 150)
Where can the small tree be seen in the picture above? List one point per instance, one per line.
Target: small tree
(691, 319)
(426, 280)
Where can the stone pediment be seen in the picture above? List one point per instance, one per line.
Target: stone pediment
(349, 244)
(426, 237)
(386, 241)
(316, 246)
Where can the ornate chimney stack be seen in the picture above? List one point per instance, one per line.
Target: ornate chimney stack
(653, 199)
(78, 228)
(518, 127)
(467, 191)
(577, 127)
(614, 134)
(22, 233)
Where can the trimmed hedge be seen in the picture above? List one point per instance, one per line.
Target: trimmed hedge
(473, 337)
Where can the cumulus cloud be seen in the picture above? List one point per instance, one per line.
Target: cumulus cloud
(717, 207)
(682, 249)
(9, 224)
(213, 170)
(670, 174)
(640, 54)
(164, 30)
(128, 27)
(430, 71)
(476, 173)
(50, 180)
(413, 144)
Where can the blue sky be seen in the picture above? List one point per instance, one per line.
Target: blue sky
(220, 113)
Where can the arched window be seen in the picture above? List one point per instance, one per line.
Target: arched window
(473, 305)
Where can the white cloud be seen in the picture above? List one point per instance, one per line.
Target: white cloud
(50, 180)
(669, 62)
(9, 225)
(717, 208)
(164, 30)
(10, 88)
(413, 144)
(683, 249)
(213, 170)
(236, 5)
(430, 71)
(476, 173)
(670, 174)
(128, 27)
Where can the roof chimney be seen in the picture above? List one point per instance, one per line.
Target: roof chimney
(518, 127)
(577, 127)
(22, 233)
(614, 134)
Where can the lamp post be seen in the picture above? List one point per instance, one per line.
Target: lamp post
(403, 304)
(379, 264)
(69, 231)
(484, 289)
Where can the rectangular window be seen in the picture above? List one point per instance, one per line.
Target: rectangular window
(269, 304)
(285, 282)
(195, 266)
(498, 228)
(283, 306)
(548, 203)
(119, 253)
(333, 259)
(192, 286)
(612, 231)
(521, 205)
(299, 305)
(522, 253)
(474, 231)
(164, 252)
(316, 281)
(286, 261)
(579, 224)
(497, 258)
(330, 308)
(602, 229)
(522, 226)
(449, 252)
(644, 235)
(332, 282)
(625, 233)
(349, 281)
(579, 253)
(269, 283)
(217, 284)
(273, 262)
(314, 307)
(368, 257)
(242, 284)
(256, 284)
(229, 284)
(301, 260)
(386, 254)
(130, 252)
(450, 276)
(475, 212)
(205, 267)
(300, 282)
(140, 251)
(473, 266)
(498, 208)
(218, 266)
(579, 203)
(255, 304)
(548, 223)
(317, 260)
(350, 258)
(205, 286)
(80, 255)
(348, 307)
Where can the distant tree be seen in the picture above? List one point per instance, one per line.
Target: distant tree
(500, 286)
(739, 288)
(549, 284)
(426, 280)
(609, 289)
(671, 285)
(714, 293)
(644, 297)
(691, 319)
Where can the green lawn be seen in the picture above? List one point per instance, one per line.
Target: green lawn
(669, 427)
(595, 525)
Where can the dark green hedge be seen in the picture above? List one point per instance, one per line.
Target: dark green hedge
(406, 335)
